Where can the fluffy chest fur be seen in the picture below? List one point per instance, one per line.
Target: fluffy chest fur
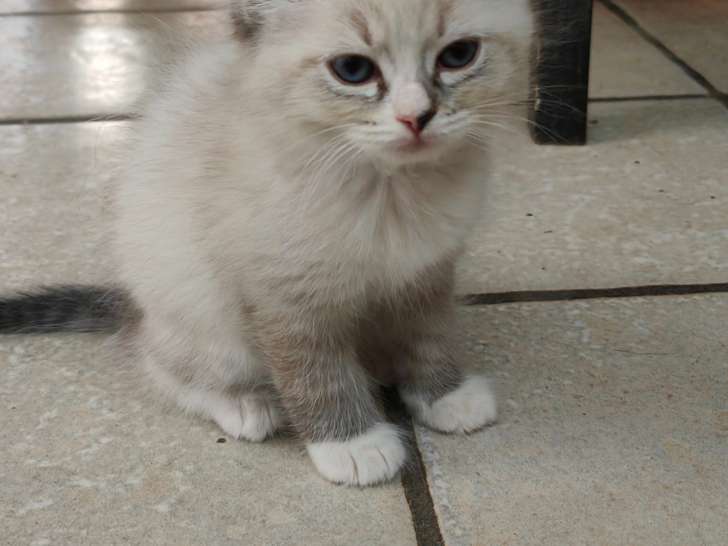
(365, 230)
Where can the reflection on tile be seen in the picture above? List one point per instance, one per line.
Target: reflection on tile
(88, 64)
(623, 64)
(644, 203)
(53, 221)
(613, 427)
(696, 30)
(62, 6)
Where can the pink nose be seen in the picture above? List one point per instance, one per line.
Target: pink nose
(417, 124)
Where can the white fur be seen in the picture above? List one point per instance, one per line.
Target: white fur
(253, 416)
(375, 456)
(469, 408)
(250, 417)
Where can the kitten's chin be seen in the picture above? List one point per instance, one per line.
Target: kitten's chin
(415, 146)
(403, 153)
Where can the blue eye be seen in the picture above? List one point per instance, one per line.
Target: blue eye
(353, 69)
(459, 55)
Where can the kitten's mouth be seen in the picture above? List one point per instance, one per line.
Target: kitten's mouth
(414, 145)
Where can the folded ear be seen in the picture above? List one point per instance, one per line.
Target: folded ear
(250, 15)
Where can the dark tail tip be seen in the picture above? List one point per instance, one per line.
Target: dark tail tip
(65, 309)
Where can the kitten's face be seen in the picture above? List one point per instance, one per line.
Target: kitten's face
(396, 81)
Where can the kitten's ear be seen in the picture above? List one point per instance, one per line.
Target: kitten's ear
(249, 15)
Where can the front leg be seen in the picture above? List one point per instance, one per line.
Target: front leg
(434, 386)
(329, 402)
(436, 391)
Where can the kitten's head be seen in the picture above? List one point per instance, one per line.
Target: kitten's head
(391, 81)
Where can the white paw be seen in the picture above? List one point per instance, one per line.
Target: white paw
(375, 456)
(470, 407)
(253, 417)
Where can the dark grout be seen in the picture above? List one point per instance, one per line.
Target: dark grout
(650, 98)
(536, 296)
(671, 55)
(112, 11)
(414, 478)
(51, 120)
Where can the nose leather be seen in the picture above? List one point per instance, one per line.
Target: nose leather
(417, 124)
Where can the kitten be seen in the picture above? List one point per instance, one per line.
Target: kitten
(288, 226)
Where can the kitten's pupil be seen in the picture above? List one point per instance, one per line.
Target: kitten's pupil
(459, 54)
(353, 69)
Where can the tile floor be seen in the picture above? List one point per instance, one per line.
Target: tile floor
(614, 426)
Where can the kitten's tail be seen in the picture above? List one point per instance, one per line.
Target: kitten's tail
(66, 309)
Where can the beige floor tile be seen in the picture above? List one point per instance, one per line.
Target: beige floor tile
(623, 64)
(696, 30)
(644, 203)
(73, 65)
(613, 427)
(89, 459)
(55, 6)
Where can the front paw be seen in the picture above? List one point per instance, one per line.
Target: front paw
(254, 417)
(373, 457)
(468, 408)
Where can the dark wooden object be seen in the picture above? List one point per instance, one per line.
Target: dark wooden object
(561, 87)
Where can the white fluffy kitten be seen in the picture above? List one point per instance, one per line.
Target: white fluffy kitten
(288, 228)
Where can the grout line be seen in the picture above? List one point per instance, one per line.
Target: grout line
(414, 478)
(650, 98)
(655, 41)
(89, 118)
(113, 11)
(593, 293)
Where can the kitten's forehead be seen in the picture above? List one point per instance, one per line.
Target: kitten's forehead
(397, 24)
(385, 21)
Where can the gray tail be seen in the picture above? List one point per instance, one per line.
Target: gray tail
(65, 309)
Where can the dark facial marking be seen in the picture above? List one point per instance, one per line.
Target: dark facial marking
(361, 26)
(445, 9)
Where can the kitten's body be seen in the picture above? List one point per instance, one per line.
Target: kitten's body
(284, 264)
